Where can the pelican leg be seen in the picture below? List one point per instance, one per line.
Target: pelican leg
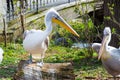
(42, 57)
(30, 59)
(40, 63)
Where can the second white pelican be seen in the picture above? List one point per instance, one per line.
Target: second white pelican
(36, 41)
(110, 56)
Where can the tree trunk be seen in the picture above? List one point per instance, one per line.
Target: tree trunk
(113, 20)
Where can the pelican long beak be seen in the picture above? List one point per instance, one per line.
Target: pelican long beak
(59, 20)
(101, 51)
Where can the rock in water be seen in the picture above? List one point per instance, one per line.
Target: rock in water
(49, 71)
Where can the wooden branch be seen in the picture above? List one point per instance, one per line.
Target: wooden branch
(5, 32)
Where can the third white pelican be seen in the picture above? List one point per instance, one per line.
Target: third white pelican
(1, 55)
(36, 41)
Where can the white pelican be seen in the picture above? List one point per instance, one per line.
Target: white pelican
(1, 55)
(36, 41)
(110, 56)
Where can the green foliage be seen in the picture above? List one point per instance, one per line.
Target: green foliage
(107, 17)
(11, 58)
(113, 30)
(84, 30)
(64, 54)
(111, 8)
(33, 2)
(11, 54)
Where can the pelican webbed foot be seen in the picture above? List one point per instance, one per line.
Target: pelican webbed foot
(40, 64)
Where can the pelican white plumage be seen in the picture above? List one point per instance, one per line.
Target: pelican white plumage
(110, 56)
(36, 41)
(1, 55)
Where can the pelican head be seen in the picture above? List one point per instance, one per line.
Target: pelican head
(53, 16)
(107, 31)
(105, 41)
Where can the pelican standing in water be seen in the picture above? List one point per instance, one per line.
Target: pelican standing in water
(110, 56)
(1, 55)
(36, 41)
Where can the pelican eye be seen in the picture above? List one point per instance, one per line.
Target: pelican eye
(107, 33)
(57, 17)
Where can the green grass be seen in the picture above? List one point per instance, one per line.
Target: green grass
(84, 66)
(12, 55)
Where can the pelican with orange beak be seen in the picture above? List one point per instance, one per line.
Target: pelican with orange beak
(36, 41)
(110, 56)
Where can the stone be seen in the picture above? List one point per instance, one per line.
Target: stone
(49, 71)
